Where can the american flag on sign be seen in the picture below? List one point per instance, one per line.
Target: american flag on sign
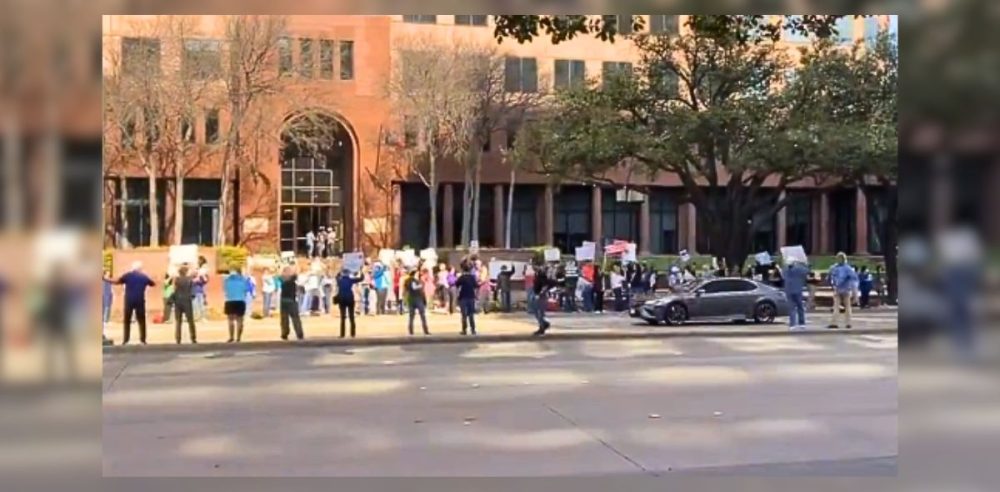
(618, 247)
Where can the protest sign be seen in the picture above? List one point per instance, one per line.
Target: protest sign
(354, 261)
(429, 255)
(184, 253)
(629, 255)
(587, 252)
(288, 257)
(386, 256)
(763, 258)
(552, 254)
(408, 257)
(794, 253)
(496, 265)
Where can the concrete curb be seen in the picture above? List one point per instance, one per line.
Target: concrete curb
(505, 338)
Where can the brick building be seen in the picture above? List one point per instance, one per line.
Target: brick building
(342, 63)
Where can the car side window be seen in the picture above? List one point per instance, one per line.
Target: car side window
(721, 286)
(745, 286)
(713, 287)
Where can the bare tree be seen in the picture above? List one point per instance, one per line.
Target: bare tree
(428, 85)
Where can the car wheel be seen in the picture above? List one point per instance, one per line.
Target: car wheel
(676, 314)
(764, 312)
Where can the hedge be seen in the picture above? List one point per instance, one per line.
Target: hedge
(228, 256)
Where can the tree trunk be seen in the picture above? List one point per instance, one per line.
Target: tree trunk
(510, 207)
(477, 164)
(466, 203)
(432, 240)
(123, 215)
(154, 209)
(179, 207)
(232, 141)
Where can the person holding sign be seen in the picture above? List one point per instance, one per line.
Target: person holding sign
(467, 285)
(287, 307)
(417, 298)
(345, 298)
(796, 276)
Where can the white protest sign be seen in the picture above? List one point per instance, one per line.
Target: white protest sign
(794, 253)
(184, 253)
(429, 255)
(408, 257)
(552, 254)
(288, 257)
(763, 258)
(386, 256)
(587, 252)
(354, 261)
(629, 256)
(496, 265)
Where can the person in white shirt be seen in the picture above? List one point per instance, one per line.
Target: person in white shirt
(268, 287)
(312, 290)
(617, 286)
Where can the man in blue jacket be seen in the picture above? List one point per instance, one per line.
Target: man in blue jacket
(796, 276)
(135, 283)
(844, 281)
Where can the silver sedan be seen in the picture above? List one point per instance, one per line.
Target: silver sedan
(726, 299)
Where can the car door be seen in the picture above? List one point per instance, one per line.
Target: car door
(709, 300)
(740, 297)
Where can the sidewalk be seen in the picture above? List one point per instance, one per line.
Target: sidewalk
(391, 329)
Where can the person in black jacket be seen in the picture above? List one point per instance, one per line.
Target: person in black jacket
(184, 304)
(467, 286)
(503, 285)
(288, 307)
(598, 291)
(543, 282)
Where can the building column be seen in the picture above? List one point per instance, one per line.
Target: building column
(644, 225)
(548, 216)
(448, 213)
(499, 215)
(861, 223)
(687, 219)
(397, 215)
(781, 223)
(823, 225)
(596, 205)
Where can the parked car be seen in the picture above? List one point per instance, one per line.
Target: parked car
(729, 299)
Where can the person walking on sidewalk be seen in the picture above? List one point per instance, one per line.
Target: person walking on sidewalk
(288, 309)
(796, 276)
(417, 297)
(598, 289)
(184, 304)
(345, 299)
(268, 286)
(236, 286)
(544, 281)
(844, 281)
(503, 285)
(135, 283)
(467, 285)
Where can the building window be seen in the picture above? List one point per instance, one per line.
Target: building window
(622, 23)
(306, 58)
(141, 56)
(187, 128)
(619, 219)
(664, 24)
(471, 20)
(570, 73)
(520, 74)
(845, 29)
(843, 205)
(212, 126)
(610, 70)
(133, 197)
(572, 217)
(791, 35)
(346, 60)
(798, 221)
(202, 59)
(285, 63)
(765, 236)
(663, 212)
(511, 133)
(524, 216)
(420, 19)
(878, 217)
(201, 211)
(326, 59)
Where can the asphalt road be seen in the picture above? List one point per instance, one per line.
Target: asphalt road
(759, 406)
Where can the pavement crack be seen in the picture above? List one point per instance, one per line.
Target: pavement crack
(598, 439)
(118, 375)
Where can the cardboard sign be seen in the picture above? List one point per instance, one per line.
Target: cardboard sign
(763, 258)
(386, 256)
(185, 253)
(587, 252)
(354, 261)
(552, 254)
(794, 253)
(496, 265)
(629, 255)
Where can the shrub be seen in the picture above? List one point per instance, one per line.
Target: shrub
(230, 256)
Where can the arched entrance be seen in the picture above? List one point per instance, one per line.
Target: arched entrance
(317, 165)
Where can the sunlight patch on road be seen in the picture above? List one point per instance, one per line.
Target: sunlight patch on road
(767, 344)
(662, 434)
(533, 350)
(210, 446)
(201, 363)
(693, 376)
(779, 428)
(847, 370)
(366, 356)
(874, 342)
(619, 349)
(170, 396)
(337, 387)
(475, 435)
